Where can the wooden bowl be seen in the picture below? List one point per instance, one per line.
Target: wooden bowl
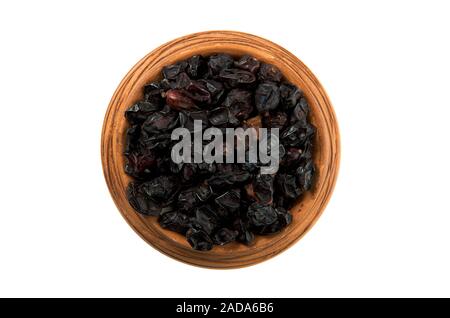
(326, 156)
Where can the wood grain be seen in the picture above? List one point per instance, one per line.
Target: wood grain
(326, 155)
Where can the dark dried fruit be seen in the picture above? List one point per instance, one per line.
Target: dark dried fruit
(287, 185)
(179, 99)
(199, 240)
(284, 218)
(160, 189)
(196, 66)
(218, 203)
(152, 93)
(248, 63)
(174, 221)
(216, 89)
(142, 202)
(293, 155)
(192, 197)
(139, 112)
(205, 219)
(243, 233)
(240, 103)
(132, 139)
(228, 177)
(297, 134)
(170, 72)
(224, 236)
(301, 111)
(218, 116)
(261, 214)
(187, 119)
(267, 96)
(305, 176)
(160, 121)
(182, 81)
(219, 62)
(140, 165)
(230, 200)
(236, 77)
(198, 92)
(275, 120)
(263, 188)
(269, 72)
(289, 95)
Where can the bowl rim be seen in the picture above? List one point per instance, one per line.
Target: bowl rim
(202, 261)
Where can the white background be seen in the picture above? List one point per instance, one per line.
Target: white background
(385, 66)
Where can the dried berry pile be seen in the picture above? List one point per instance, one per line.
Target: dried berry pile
(218, 203)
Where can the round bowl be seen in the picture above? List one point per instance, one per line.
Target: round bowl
(326, 155)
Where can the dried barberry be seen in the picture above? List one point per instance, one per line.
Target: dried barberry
(248, 63)
(219, 62)
(139, 112)
(179, 99)
(218, 203)
(196, 66)
(236, 77)
(289, 95)
(269, 72)
(267, 96)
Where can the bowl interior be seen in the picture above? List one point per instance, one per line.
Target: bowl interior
(309, 206)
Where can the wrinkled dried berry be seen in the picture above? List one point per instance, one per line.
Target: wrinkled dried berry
(267, 96)
(139, 112)
(284, 218)
(216, 89)
(218, 116)
(140, 165)
(199, 240)
(293, 155)
(187, 119)
(143, 203)
(170, 72)
(219, 62)
(263, 188)
(228, 177)
(192, 197)
(179, 99)
(305, 176)
(205, 219)
(269, 72)
(236, 77)
(244, 235)
(198, 92)
(261, 214)
(248, 63)
(289, 95)
(218, 203)
(287, 185)
(297, 134)
(224, 236)
(240, 103)
(152, 93)
(174, 221)
(160, 121)
(161, 188)
(230, 200)
(182, 81)
(275, 120)
(196, 66)
(301, 111)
